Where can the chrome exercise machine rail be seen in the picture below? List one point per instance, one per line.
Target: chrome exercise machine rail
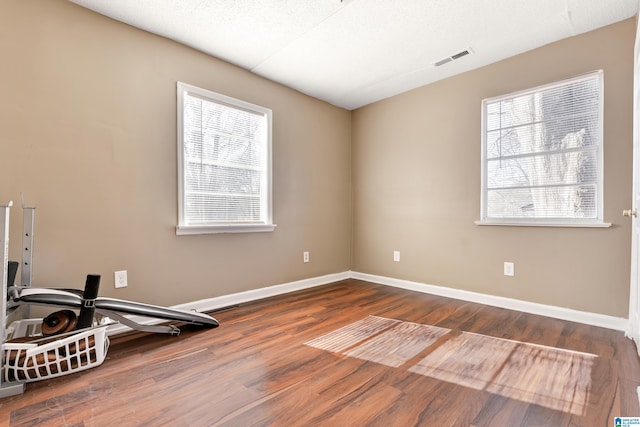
(6, 388)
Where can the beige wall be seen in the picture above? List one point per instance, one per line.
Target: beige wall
(88, 133)
(416, 185)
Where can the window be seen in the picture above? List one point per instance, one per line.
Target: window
(224, 164)
(542, 155)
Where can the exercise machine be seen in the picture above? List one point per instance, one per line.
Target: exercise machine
(64, 342)
(111, 308)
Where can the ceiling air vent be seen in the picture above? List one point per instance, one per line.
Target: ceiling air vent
(452, 57)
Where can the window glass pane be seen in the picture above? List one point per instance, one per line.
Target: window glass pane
(224, 161)
(572, 202)
(542, 152)
(555, 168)
(209, 208)
(221, 179)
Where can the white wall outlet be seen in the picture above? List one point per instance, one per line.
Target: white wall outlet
(396, 256)
(509, 269)
(305, 256)
(120, 279)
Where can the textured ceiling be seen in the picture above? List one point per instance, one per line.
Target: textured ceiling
(355, 52)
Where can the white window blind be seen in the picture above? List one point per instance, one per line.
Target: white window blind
(542, 155)
(224, 163)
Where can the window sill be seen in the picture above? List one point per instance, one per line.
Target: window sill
(546, 224)
(217, 229)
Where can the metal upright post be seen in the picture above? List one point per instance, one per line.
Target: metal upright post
(26, 269)
(6, 388)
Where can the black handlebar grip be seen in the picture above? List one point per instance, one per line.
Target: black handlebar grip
(85, 318)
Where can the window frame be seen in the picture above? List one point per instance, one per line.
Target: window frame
(183, 227)
(598, 221)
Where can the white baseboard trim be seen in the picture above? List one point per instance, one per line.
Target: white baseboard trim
(594, 319)
(211, 304)
(632, 332)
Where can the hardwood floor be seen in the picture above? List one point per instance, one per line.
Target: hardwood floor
(350, 354)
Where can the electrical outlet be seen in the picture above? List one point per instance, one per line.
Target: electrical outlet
(396, 256)
(305, 256)
(509, 269)
(120, 279)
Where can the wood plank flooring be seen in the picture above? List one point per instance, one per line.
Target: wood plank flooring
(350, 354)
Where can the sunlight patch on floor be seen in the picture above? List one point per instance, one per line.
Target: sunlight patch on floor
(352, 334)
(398, 344)
(547, 376)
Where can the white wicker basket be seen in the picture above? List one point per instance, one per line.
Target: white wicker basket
(41, 358)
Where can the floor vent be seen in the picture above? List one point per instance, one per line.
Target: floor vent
(228, 307)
